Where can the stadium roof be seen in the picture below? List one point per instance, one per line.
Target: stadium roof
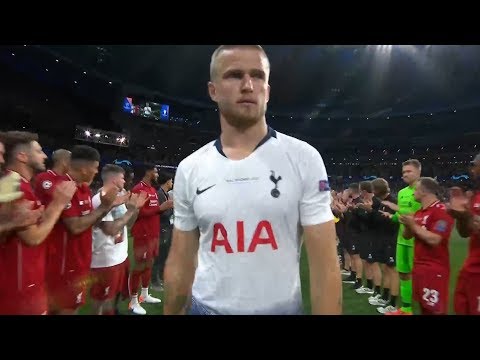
(316, 80)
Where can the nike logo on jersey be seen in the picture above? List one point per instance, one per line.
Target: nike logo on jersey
(202, 191)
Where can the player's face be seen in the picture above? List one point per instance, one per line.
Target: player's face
(419, 193)
(410, 174)
(240, 87)
(119, 181)
(153, 175)
(36, 157)
(89, 171)
(169, 185)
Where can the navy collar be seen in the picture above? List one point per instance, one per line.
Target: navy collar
(270, 133)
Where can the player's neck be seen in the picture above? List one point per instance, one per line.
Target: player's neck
(245, 140)
(147, 181)
(59, 170)
(413, 184)
(23, 170)
(164, 188)
(427, 201)
(75, 175)
(385, 196)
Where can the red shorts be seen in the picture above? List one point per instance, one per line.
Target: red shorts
(30, 301)
(68, 292)
(145, 248)
(107, 282)
(467, 294)
(430, 289)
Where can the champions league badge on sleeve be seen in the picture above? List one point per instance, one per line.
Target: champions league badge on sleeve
(323, 185)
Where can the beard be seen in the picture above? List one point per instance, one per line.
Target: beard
(243, 118)
(36, 166)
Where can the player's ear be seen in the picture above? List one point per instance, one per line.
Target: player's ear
(212, 91)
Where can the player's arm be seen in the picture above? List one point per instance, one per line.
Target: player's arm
(319, 235)
(325, 278)
(441, 227)
(36, 234)
(113, 227)
(181, 262)
(407, 233)
(459, 208)
(76, 224)
(180, 271)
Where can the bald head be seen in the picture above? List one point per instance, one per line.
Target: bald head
(61, 160)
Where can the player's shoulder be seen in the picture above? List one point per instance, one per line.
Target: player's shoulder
(197, 157)
(44, 180)
(440, 206)
(42, 175)
(295, 146)
(27, 189)
(138, 186)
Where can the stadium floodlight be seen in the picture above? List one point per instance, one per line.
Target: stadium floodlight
(101, 136)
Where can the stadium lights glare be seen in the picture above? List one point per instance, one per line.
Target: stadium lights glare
(85, 72)
(97, 135)
(87, 133)
(56, 60)
(110, 82)
(13, 54)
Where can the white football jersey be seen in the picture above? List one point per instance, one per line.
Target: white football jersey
(249, 213)
(109, 250)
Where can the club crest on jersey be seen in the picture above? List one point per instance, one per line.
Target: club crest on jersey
(441, 226)
(47, 184)
(323, 185)
(275, 192)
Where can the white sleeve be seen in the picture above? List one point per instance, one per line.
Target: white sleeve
(184, 216)
(315, 203)
(96, 203)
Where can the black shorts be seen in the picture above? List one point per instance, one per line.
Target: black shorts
(390, 255)
(384, 250)
(352, 242)
(365, 246)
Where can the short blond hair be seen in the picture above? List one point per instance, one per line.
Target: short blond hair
(218, 51)
(413, 162)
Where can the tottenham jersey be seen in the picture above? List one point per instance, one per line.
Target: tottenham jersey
(249, 213)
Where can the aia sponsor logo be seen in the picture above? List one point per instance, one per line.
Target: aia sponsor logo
(235, 242)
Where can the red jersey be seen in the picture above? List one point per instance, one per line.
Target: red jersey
(434, 219)
(44, 184)
(74, 252)
(472, 263)
(148, 219)
(22, 266)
